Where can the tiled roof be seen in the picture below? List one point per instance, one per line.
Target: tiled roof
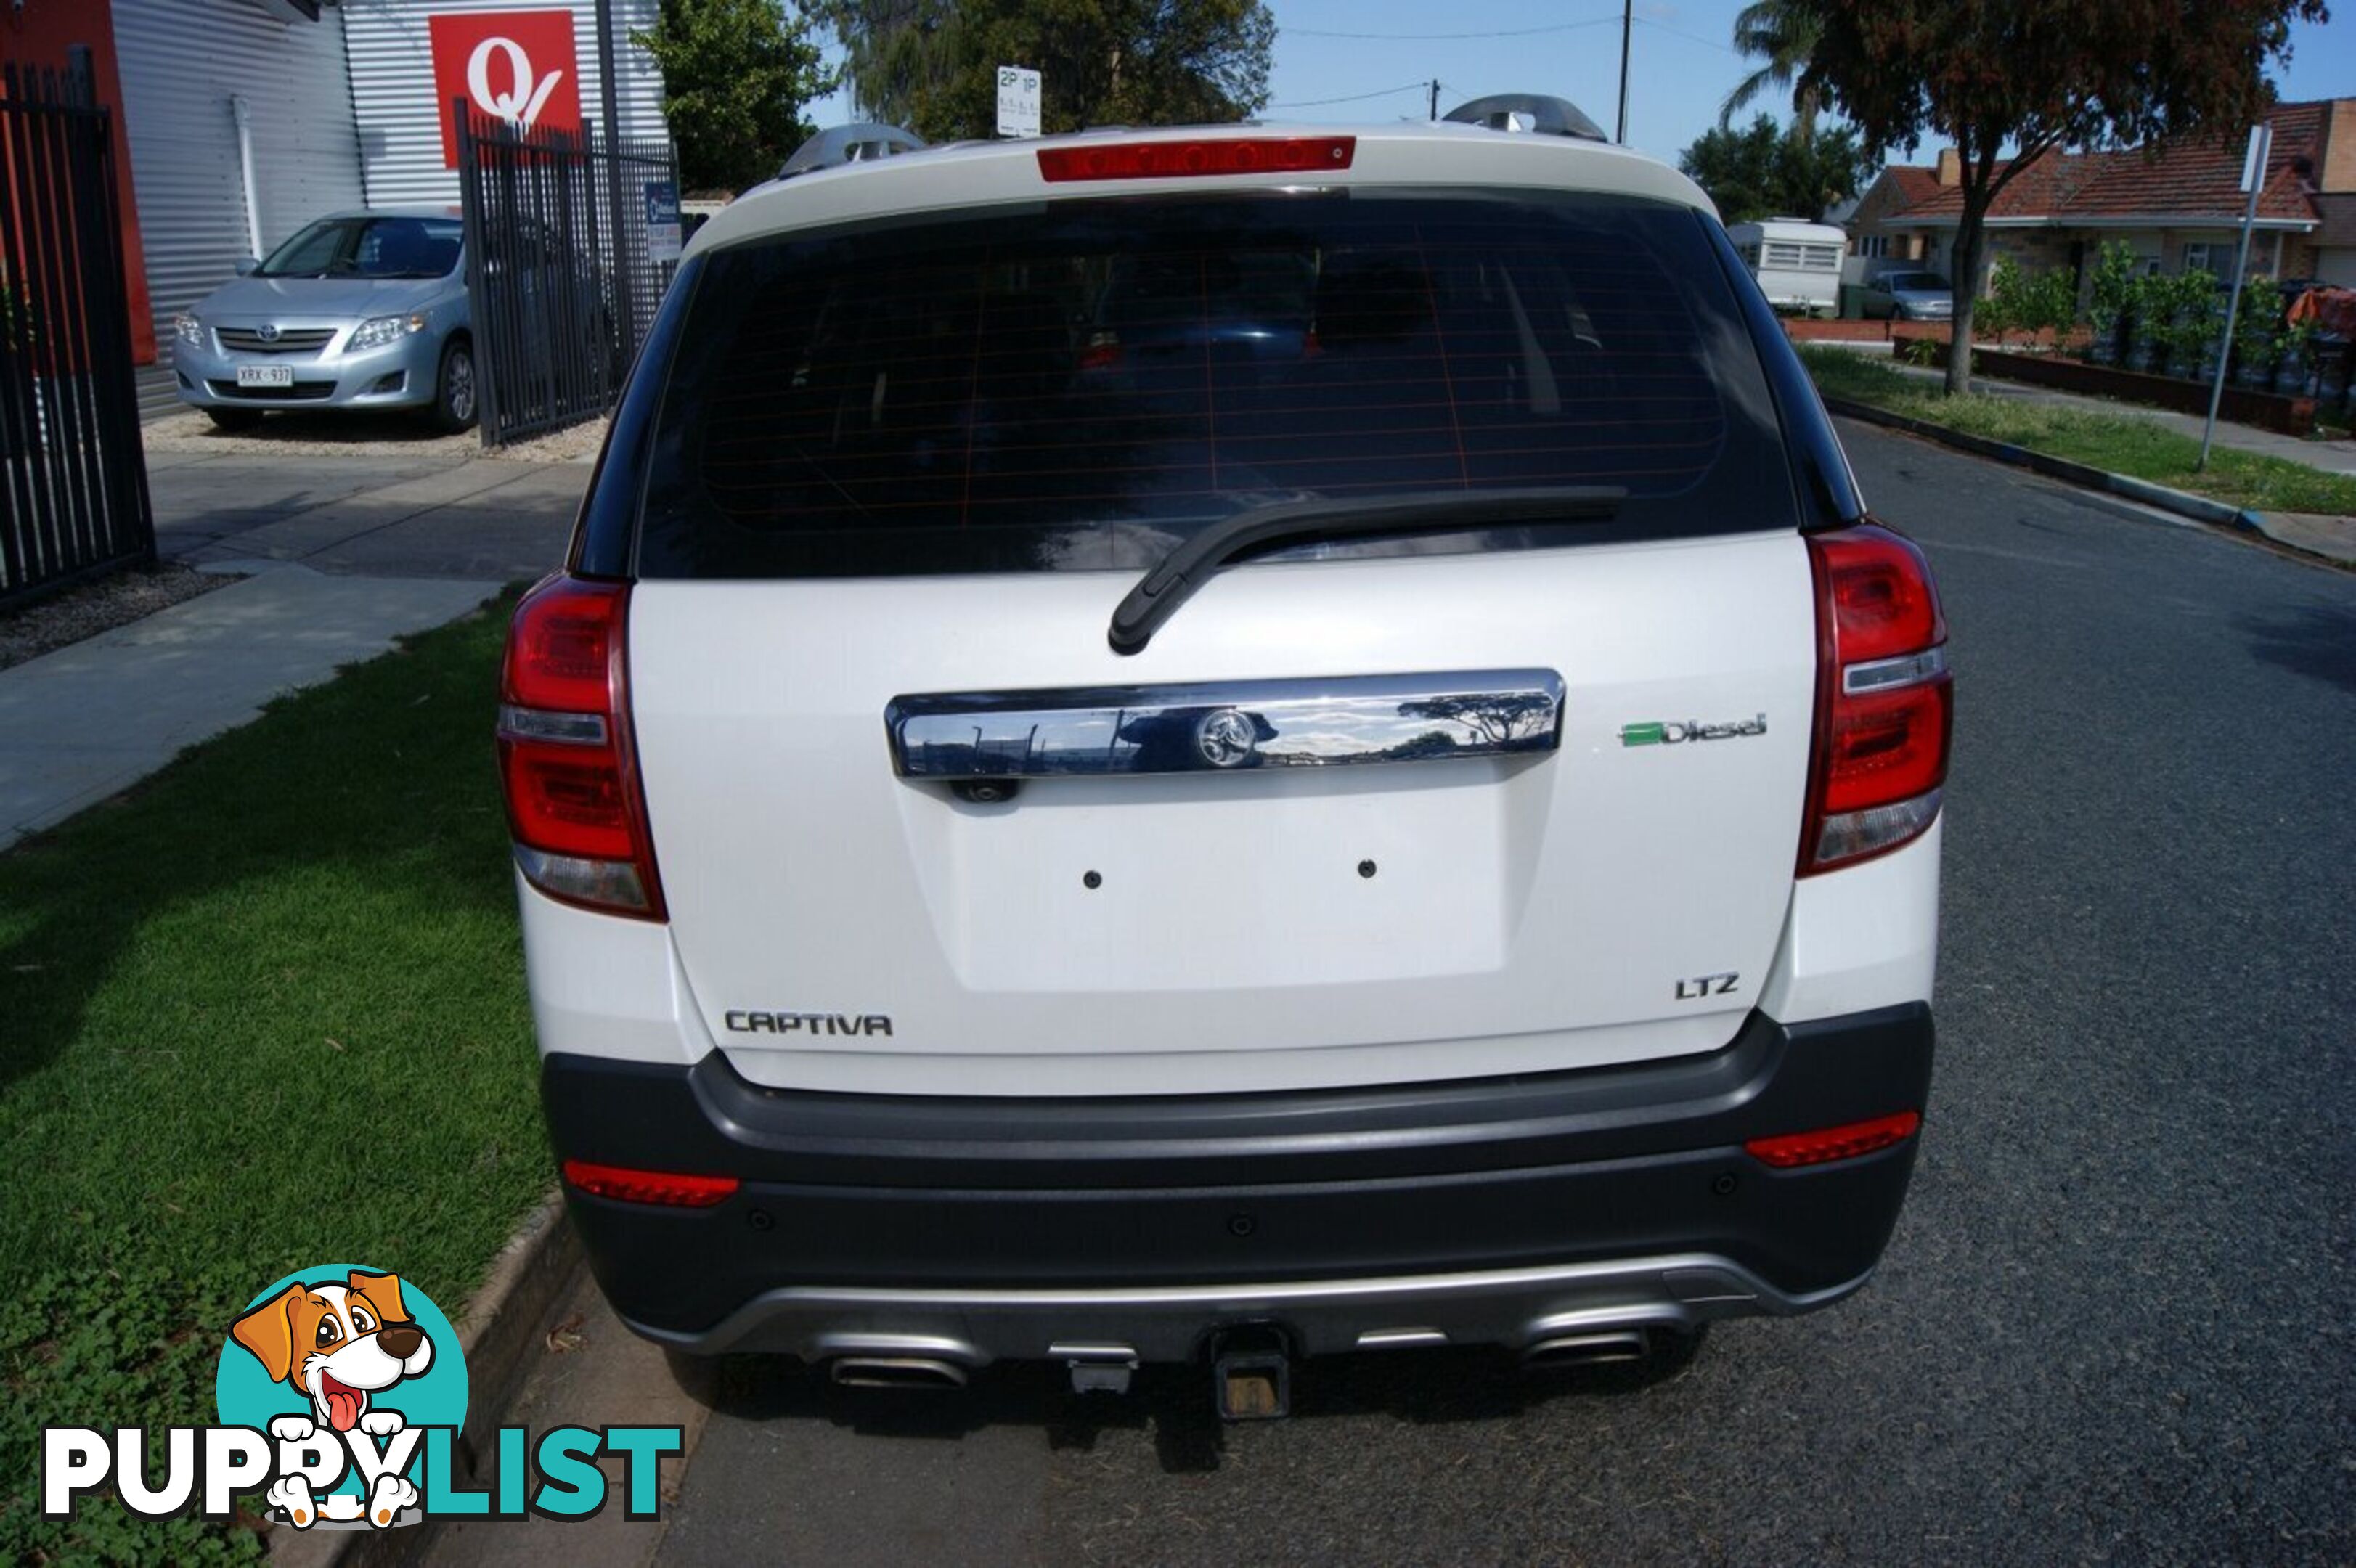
(2187, 179)
(1916, 187)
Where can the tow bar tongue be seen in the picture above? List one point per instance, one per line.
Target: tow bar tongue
(1251, 1374)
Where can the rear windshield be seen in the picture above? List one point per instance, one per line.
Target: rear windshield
(1080, 384)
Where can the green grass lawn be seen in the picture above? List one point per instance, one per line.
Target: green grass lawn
(2120, 443)
(265, 1012)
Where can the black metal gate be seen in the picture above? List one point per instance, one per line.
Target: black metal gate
(559, 266)
(73, 478)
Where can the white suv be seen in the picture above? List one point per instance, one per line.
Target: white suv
(1229, 742)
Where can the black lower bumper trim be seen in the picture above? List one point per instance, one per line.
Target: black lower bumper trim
(935, 1193)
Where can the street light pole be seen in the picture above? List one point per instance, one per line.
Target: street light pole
(2254, 180)
(1627, 21)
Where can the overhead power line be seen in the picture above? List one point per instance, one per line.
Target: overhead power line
(1355, 97)
(1443, 38)
(1689, 37)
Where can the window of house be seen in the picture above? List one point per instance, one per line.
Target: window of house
(2202, 257)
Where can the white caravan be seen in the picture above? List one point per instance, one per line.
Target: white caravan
(1797, 263)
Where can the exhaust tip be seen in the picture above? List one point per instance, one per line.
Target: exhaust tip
(896, 1371)
(1605, 1348)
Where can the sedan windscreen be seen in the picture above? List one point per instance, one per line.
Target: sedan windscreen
(391, 247)
(1082, 384)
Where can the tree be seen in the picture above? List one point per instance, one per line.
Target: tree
(1784, 32)
(1762, 172)
(2035, 75)
(932, 65)
(1496, 718)
(895, 51)
(736, 76)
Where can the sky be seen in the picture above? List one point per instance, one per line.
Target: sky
(1681, 66)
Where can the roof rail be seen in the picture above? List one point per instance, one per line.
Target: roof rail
(1530, 113)
(856, 144)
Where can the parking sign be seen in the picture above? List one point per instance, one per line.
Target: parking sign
(663, 221)
(1018, 100)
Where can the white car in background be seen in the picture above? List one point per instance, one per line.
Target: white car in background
(1395, 806)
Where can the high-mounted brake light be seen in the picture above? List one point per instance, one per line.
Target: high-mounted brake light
(1197, 155)
(649, 1186)
(1885, 700)
(566, 755)
(1826, 1144)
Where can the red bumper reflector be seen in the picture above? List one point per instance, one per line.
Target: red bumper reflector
(649, 1186)
(1834, 1143)
(1197, 155)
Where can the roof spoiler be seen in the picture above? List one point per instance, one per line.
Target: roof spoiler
(1530, 113)
(856, 144)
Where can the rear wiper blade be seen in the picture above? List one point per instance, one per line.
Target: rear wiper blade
(1174, 578)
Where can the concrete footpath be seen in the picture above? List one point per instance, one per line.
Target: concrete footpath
(340, 555)
(79, 724)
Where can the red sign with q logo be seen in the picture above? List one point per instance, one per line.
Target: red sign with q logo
(517, 66)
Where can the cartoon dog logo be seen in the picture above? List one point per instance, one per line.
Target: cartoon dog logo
(335, 1345)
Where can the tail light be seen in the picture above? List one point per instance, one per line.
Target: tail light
(649, 1186)
(1827, 1144)
(1885, 702)
(566, 754)
(1196, 155)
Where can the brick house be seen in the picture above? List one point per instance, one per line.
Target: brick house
(2179, 208)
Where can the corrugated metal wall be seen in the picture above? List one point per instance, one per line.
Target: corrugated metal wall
(181, 60)
(392, 75)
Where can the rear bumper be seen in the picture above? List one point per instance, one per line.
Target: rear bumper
(1493, 1211)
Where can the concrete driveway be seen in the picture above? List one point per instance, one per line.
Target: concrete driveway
(432, 515)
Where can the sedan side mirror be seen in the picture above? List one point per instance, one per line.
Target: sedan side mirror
(246, 264)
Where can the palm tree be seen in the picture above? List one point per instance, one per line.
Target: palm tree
(1783, 33)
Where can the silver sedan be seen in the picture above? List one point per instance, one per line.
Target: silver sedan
(1910, 296)
(360, 310)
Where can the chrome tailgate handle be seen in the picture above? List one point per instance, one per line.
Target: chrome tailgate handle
(1220, 728)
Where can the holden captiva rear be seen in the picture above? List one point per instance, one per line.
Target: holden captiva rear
(1228, 744)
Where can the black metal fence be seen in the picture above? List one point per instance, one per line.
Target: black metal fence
(566, 261)
(73, 479)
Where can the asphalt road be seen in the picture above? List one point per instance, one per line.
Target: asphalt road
(2115, 1324)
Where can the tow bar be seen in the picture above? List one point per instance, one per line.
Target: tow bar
(1251, 1373)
